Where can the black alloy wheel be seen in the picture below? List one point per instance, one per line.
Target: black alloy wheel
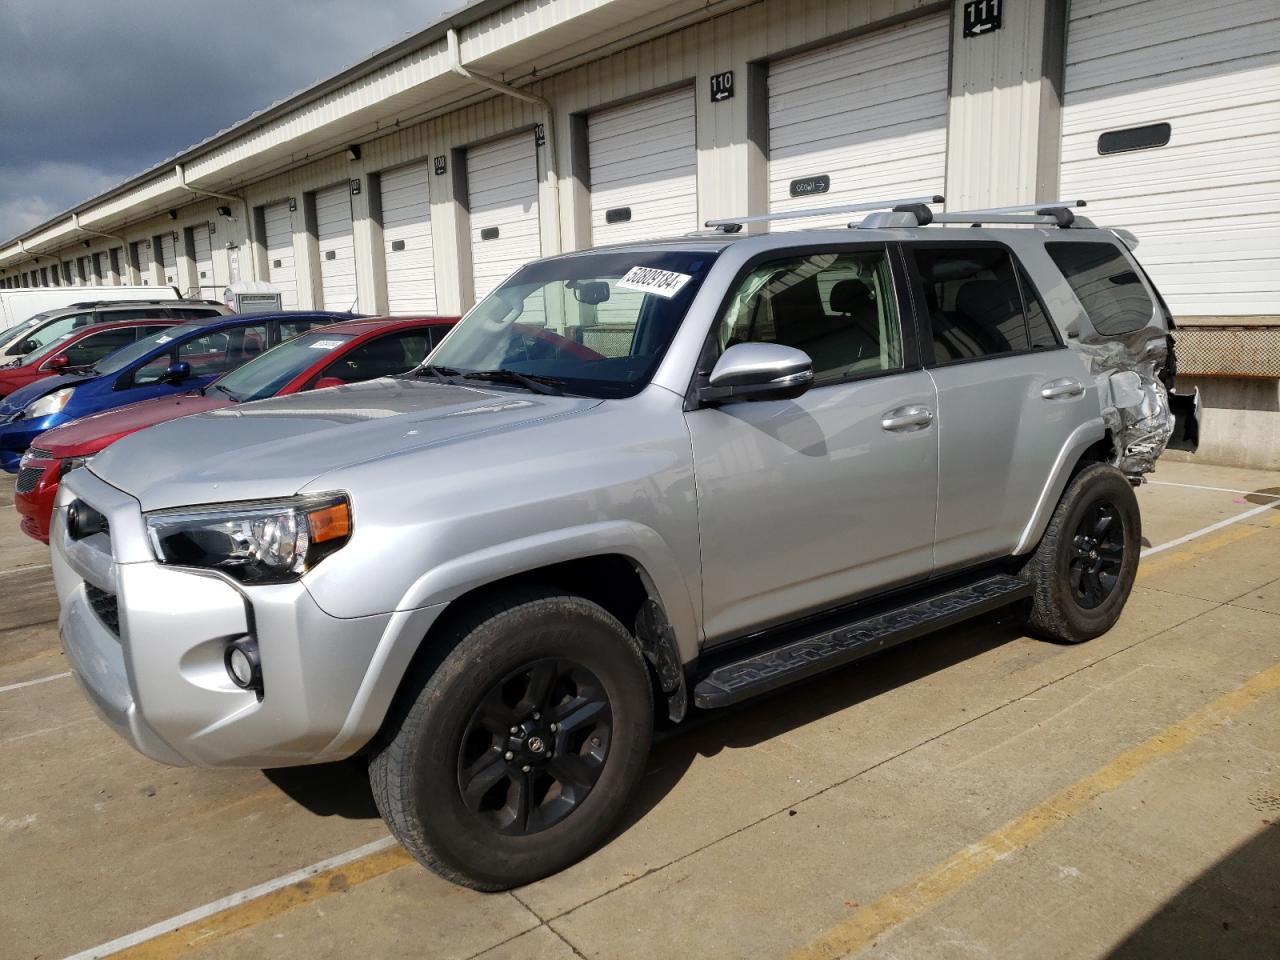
(535, 746)
(1097, 555)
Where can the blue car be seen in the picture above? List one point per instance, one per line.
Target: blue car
(176, 360)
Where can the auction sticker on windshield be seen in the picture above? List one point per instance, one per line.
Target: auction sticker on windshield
(662, 283)
(326, 344)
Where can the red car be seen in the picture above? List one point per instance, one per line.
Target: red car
(82, 347)
(345, 352)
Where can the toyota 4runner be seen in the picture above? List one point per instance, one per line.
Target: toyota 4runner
(633, 482)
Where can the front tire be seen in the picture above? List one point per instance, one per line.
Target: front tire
(1085, 566)
(515, 756)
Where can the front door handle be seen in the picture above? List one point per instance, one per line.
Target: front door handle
(905, 419)
(1061, 389)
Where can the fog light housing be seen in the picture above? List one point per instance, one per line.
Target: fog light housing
(243, 666)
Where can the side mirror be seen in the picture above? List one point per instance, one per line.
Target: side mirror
(60, 362)
(324, 383)
(22, 348)
(176, 372)
(758, 371)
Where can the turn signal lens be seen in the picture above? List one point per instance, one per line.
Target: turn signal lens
(330, 523)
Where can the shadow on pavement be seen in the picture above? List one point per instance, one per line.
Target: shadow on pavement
(329, 789)
(1230, 910)
(706, 733)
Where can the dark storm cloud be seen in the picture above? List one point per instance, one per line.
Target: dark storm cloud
(93, 91)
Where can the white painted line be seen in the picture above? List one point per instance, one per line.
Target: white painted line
(1209, 529)
(32, 683)
(1198, 486)
(233, 900)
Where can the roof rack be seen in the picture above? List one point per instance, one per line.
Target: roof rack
(1055, 212)
(735, 224)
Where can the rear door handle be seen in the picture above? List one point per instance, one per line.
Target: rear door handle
(1060, 389)
(905, 419)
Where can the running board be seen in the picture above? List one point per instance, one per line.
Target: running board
(823, 647)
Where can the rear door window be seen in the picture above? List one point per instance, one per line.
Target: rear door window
(974, 303)
(224, 350)
(1106, 285)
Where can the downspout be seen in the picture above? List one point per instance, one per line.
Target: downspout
(199, 192)
(548, 123)
(124, 244)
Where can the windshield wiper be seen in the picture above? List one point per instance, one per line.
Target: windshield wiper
(217, 386)
(549, 386)
(440, 373)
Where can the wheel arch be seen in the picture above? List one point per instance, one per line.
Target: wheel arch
(1091, 442)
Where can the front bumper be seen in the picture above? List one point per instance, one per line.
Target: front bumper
(146, 641)
(35, 493)
(17, 435)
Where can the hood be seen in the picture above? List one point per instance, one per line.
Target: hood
(17, 401)
(84, 437)
(275, 447)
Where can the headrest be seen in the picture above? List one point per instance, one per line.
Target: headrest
(851, 296)
(987, 301)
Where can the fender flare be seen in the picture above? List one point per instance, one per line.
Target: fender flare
(640, 544)
(1080, 440)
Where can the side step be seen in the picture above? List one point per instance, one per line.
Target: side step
(812, 648)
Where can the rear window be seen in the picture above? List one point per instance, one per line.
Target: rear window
(1105, 284)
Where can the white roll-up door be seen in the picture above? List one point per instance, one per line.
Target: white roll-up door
(337, 247)
(502, 181)
(644, 169)
(142, 252)
(861, 120)
(1202, 194)
(406, 234)
(278, 222)
(202, 254)
(169, 258)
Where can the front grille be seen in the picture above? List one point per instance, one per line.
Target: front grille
(28, 479)
(104, 605)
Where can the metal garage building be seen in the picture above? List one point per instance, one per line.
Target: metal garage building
(419, 178)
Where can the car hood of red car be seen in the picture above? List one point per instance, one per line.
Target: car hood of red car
(82, 438)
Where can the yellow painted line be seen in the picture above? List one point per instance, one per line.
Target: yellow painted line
(238, 911)
(912, 899)
(1194, 550)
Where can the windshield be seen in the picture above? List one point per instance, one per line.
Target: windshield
(122, 358)
(15, 333)
(595, 324)
(263, 376)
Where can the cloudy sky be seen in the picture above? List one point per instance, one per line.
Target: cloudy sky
(92, 91)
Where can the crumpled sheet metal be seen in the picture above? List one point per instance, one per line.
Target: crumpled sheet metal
(1135, 402)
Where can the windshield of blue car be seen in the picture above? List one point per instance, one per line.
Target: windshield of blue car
(595, 324)
(123, 358)
(263, 376)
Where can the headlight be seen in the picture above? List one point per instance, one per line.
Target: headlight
(71, 463)
(50, 403)
(264, 541)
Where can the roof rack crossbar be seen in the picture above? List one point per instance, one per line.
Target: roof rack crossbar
(1050, 211)
(735, 224)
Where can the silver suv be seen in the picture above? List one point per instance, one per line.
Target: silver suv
(634, 481)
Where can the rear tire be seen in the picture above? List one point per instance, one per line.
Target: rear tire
(1084, 568)
(514, 754)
